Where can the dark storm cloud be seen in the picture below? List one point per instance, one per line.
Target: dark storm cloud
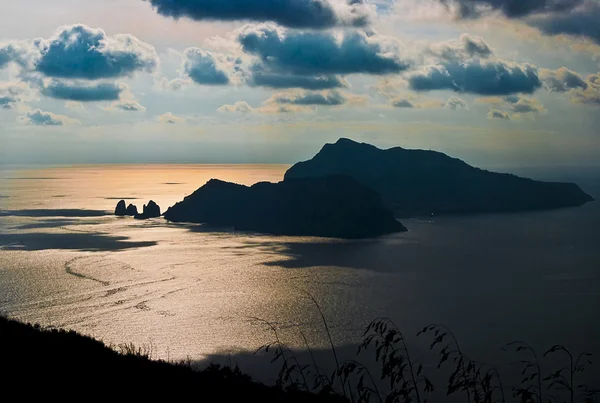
(81, 52)
(469, 66)
(290, 13)
(331, 98)
(583, 21)
(510, 8)
(478, 77)
(83, 93)
(313, 53)
(202, 68)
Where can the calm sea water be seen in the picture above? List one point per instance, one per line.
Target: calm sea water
(188, 292)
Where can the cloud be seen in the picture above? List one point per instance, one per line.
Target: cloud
(589, 95)
(239, 107)
(23, 53)
(172, 85)
(170, 118)
(81, 52)
(205, 67)
(83, 92)
(469, 66)
(282, 80)
(515, 105)
(524, 105)
(581, 21)
(40, 118)
(562, 80)
(498, 114)
(309, 53)
(128, 105)
(412, 101)
(13, 94)
(509, 8)
(456, 103)
(297, 101)
(456, 50)
(291, 13)
(325, 98)
(74, 105)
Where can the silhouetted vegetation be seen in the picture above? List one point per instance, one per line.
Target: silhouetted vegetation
(58, 361)
(47, 363)
(403, 379)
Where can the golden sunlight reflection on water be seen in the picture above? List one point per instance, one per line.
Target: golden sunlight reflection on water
(188, 291)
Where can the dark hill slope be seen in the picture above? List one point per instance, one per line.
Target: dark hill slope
(45, 364)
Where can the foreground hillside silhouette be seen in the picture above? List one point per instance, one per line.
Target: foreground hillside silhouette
(58, 363)
(332, 206)
(419, 182)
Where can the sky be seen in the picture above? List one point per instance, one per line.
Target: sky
(494, 82)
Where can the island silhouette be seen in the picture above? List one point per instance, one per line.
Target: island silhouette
(330, 206)
(356, 190)
(420, 182)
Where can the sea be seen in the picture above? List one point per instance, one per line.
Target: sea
(191, 292)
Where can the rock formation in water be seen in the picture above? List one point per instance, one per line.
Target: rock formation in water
(151, 210)
(131, 210)
(334, 206)
(419, 182)
(121, 208)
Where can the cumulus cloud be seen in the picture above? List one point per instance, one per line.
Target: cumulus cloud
(469, 66)
(297, 101)
(41, 118)
(581, 21)
(313, 53)
(524, 105)
(21, 52)
(81, 52)
(175, 84)
(562, 79)
(324, 98)
(13, 94)
(456, 103)
(203, 67)
(128, 105)
(239, 107)
(590, 95)
(514, 106)
(416, 102)
(456, 50)
(509, 8)
(291, 13)
(83, 92)
(170, 118)
(498, 114)
(283, 80)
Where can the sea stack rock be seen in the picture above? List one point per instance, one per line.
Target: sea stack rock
(121, 209)
(131, 210)
(151, 210)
